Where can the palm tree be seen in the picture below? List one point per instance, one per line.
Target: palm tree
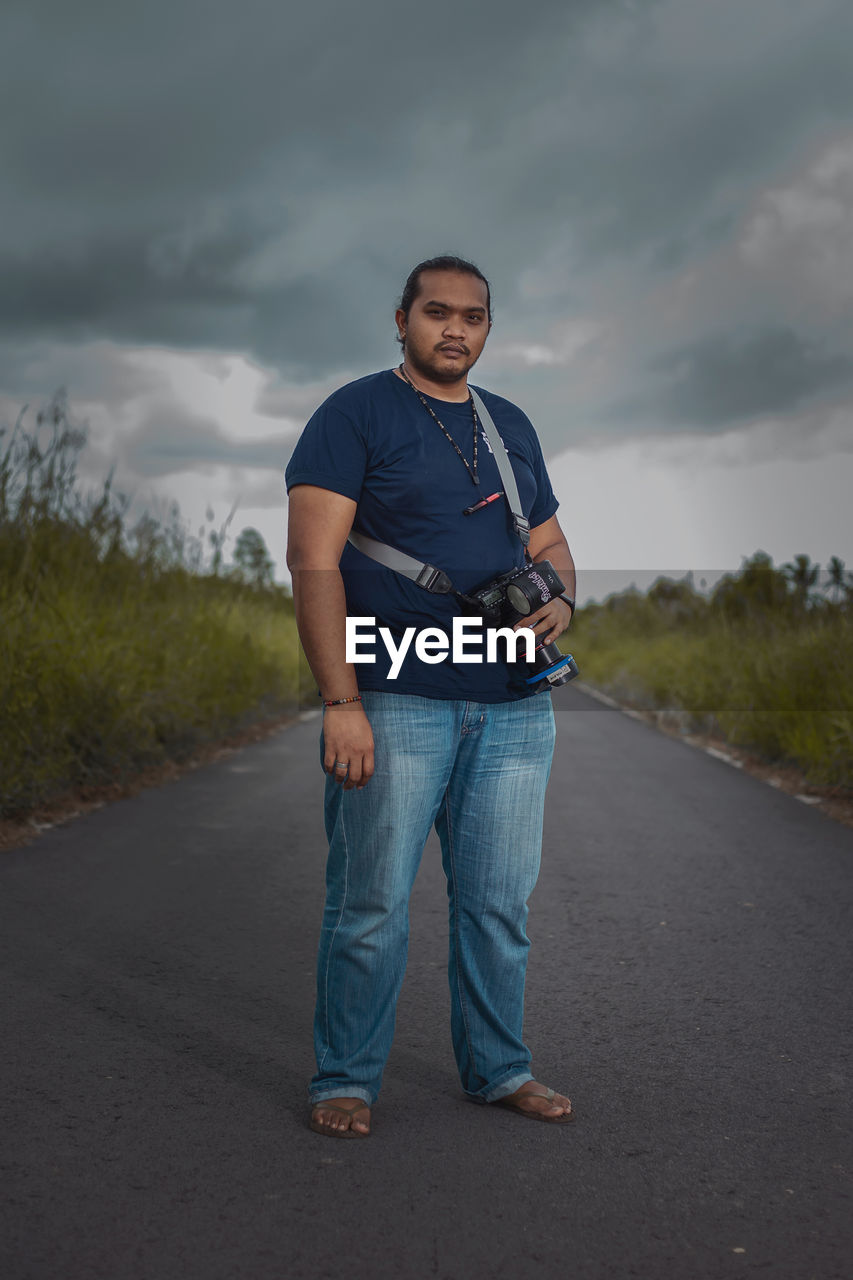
(802, 575)
(836, 581)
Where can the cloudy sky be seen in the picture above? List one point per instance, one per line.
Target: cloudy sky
(207, 212)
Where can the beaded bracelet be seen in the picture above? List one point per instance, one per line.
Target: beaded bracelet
(339, 702)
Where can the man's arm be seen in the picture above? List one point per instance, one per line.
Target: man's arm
(318, 523)
(548, 542)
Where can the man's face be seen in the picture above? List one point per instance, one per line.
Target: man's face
(447, 325)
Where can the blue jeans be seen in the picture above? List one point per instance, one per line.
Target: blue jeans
(478, 771)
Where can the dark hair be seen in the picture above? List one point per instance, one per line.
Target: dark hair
(446, 262)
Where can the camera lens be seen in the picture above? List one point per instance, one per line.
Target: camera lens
(518, 599)
(557, 673)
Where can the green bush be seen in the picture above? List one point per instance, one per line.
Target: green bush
(120, 648)
(769, 667)
(117, 650)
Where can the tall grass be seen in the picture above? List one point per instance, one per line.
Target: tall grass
(123, 645)
(118, 647)
(762, 662)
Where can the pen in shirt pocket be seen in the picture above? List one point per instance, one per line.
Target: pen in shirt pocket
(483, 503)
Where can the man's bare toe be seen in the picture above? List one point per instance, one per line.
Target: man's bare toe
(536, 1100)
(336, 1115)
(555, 1106)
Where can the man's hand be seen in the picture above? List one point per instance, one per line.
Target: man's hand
(348, 741)
(549, 622)
(548, 542)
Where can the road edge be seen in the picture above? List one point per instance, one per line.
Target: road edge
(782, 777)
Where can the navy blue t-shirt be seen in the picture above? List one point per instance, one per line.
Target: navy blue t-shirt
(373, 441)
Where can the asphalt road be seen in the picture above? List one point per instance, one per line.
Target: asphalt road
(689, 986)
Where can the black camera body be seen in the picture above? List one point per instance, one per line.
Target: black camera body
(512, 597)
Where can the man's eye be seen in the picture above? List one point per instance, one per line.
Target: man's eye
(475, 319)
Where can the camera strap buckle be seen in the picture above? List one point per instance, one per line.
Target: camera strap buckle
(435, 580)
(424, 575)
(522, 528)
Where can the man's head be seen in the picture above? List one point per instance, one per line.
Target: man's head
(444, 318)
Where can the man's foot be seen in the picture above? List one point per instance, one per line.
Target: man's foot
(341, 1118)
(536, 1102)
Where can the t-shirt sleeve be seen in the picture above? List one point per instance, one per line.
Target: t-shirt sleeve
(545, 503)
(331, 453)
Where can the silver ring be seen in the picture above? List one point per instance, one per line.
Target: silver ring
(342, 764)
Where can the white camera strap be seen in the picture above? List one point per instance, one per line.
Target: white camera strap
(519, 522)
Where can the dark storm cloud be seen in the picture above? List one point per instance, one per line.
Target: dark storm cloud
(97, 372)
(119, 290)
(721, 379)
(294, 401)
(171, 440)
(695, 113)
(161, 162)
(260, 178)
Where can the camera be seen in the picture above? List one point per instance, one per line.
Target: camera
(512, 597)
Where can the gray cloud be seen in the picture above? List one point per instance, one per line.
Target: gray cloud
(97, 371)
(721, 379)
(260, 180)
(294, 401)
(170, 440)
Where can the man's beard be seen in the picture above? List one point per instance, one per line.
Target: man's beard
(436, 374)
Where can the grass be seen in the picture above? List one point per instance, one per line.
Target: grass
(118, 648)
(125, 646)
(777, 680)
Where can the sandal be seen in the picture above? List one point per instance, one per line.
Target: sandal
(350, 1111)
(512, 1103)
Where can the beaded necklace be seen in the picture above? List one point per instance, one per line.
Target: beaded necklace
(472, 471)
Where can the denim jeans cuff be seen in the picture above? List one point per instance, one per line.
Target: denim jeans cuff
(505, 1087)
(343, 1091)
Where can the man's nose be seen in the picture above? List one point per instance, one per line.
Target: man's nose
(455, 327)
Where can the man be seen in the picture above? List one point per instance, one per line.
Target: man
(401, 457)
